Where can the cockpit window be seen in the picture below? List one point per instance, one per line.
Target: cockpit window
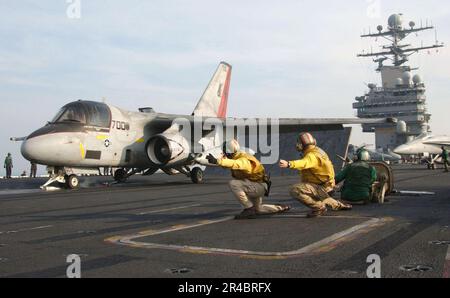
(58, 115)
(70, 114)
(99, 115)
(85, 112)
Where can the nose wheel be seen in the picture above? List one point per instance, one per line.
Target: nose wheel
(72, 181)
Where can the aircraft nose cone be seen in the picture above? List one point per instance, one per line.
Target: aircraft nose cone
(52, 150)
(402, 149)
(26, 150)
(34, 150)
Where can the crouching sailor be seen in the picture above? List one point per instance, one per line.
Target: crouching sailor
(250, 181)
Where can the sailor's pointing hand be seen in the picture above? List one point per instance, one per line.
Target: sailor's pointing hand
(284, 164)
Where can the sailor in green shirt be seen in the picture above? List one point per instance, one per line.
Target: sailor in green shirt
(358, 178)
(8, 165)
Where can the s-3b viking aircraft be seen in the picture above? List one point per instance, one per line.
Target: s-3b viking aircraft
(89, 135)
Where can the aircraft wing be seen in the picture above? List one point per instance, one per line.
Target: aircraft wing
(334, 121)
(438, 143)
(314, 124)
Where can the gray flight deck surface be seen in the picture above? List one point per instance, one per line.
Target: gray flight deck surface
(153, 226)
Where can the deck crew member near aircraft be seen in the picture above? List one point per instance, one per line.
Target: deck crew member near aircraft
(358, 179)
(317, 177)
(8, 165)
(444, 156)
(250, 181)
(33, 169)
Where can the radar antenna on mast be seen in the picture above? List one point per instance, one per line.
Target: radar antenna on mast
(395, 34)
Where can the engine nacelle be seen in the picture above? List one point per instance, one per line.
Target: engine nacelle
(168, 149)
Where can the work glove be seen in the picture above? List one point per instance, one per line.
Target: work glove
(211, 159)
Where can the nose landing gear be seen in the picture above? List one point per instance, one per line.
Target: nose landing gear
(72, 181)
(60, 179)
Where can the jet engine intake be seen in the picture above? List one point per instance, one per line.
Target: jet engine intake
(167, 149)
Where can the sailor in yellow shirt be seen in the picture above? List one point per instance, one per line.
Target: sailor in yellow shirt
(250, 182)
(317, 175)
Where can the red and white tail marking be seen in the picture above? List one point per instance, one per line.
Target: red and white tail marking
(214, 100)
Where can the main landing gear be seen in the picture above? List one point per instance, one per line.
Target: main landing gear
(121, 175)
(196, 175)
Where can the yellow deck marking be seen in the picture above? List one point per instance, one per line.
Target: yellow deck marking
(263, 257)
(140, 140)
(146, 232)
(176, 227)
(168, 209)
(192, 251)
(325, 245)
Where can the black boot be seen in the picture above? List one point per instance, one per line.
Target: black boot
(249, 213)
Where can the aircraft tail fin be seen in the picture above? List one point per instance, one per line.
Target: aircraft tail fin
(214, 100)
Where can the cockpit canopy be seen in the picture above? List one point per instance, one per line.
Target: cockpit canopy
(88, 113)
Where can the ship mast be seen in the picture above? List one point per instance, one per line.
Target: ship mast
(397, 52)
(401, 94)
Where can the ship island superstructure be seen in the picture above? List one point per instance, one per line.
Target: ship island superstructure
(402, 93)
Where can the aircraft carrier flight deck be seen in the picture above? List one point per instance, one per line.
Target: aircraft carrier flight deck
(168, 227)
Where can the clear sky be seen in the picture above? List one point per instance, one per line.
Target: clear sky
(290, 58)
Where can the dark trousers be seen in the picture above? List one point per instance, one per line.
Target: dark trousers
(446, 165)
(8, 172)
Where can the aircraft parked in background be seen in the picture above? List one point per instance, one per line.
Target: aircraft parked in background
(427, 146)
(374, 155)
